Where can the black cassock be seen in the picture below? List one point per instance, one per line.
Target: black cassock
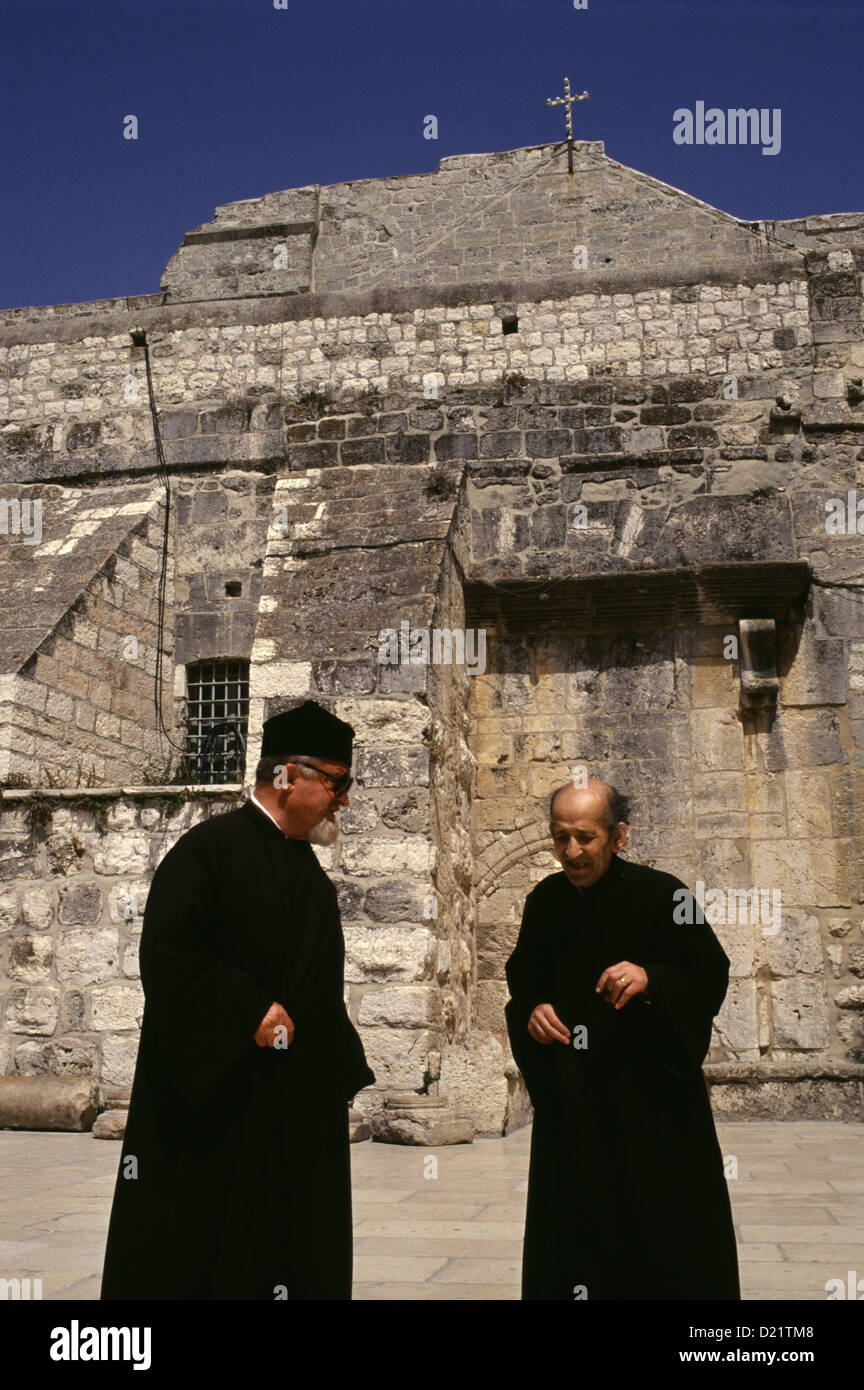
(627, 1197)
(243, 1186)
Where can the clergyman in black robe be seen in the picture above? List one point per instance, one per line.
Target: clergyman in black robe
(234, 1181)
(613, 992)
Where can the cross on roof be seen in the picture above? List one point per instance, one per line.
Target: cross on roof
(568, 101)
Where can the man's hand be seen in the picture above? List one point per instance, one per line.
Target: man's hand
(545, 1026)
(267, 1035)
(620, 983)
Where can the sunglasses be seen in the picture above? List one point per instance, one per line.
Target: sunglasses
(339, 782)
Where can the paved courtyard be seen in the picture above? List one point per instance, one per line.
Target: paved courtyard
(798, 1200)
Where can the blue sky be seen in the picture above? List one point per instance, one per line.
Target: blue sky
(235, 98)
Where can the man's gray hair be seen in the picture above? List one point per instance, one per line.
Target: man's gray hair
(617, 805)
(269, 766)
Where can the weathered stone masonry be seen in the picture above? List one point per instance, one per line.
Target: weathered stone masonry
(397, 401)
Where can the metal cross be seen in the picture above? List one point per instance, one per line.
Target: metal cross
(568, 101)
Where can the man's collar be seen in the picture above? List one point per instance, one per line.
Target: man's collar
(263, 809)
(257, 806)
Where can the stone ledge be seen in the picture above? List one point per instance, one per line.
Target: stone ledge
(824, 1098)
(634, 593)
(807, 1069)
(428, 1120)
(199, 791)
(106, 318)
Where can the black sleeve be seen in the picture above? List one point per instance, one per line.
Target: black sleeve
(686, 996)
(528, 969)
(203, 1011)
(529, 983)
(356, 1069)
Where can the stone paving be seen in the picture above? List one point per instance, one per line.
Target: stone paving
(798, 1201)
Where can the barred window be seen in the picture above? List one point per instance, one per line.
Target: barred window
(217, 712)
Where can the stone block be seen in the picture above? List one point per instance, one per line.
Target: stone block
(814, 873)
(738, 940)
(455, 446)
(344, 677)
(384, 954)
(119, 1054)
(726, 824)
(359, 1128)
(399, 1057)
(37, 908)
(32, 1009)
(816, 674)
(10, 910)
(59, 1057)
(796, 949)
(808, 804)
(408, 810)
(130, 962)
(718, 740)
(126, 902)
(799, 1014)
(122, 854)
(736, 1025)
(714, 684)
(80, 904)
(410, 854)
(717, 792)
(402, 680)
(381, 767)
(400, 1006)
(829, 1099)
(87, 957)
(115, 1007)
(765, 793)
(30, 958)
(73, 1011)
(397, 900)
(473, 1075)
(111, 1124)
(382, 722)
(802, 738)
(425, 1120)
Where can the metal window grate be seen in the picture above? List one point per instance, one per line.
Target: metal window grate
(217, 713)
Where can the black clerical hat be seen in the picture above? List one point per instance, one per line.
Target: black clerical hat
(309, 731)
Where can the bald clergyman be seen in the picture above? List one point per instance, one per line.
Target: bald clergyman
(609, 1021)
(235, 1179)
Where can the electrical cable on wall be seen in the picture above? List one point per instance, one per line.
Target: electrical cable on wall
(139, 339)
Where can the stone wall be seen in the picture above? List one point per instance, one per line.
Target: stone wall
(743, 326)
(420, 407)
(352, 553)
(475, 218)
(75, 871)
(221, 527)
(712, 801)
(78, 705)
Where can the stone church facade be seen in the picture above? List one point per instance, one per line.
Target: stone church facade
(602, 435)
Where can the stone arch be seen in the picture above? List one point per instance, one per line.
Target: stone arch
(504, 853)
